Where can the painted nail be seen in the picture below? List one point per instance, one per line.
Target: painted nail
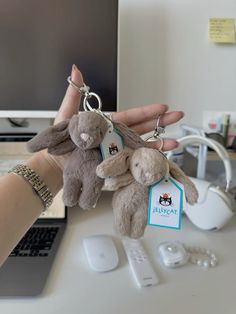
(74, 68)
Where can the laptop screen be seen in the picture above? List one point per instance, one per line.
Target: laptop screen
(13, 153)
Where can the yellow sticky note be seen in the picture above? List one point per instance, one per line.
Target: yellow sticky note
(221, 30)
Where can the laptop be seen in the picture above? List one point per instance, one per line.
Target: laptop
(26, 270)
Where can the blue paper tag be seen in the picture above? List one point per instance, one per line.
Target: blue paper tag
(165, 203)
(111, 144)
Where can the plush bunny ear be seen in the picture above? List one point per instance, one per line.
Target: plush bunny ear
(191, 192)
(56, 138)
(115, 165)
(131, 138)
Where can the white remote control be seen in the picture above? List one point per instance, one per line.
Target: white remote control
(139, 263)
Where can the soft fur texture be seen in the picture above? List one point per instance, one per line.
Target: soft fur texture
(131, 138)
(130, 210)
(130, 202)
(81, 136)
(114, 183)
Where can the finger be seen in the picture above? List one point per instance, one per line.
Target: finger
(166, 119)
(136, 115)
(71, 101)
(169, 144)
(171, 117)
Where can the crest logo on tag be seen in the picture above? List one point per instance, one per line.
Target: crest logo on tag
(113, 149)
(111, 144)
(165, 199)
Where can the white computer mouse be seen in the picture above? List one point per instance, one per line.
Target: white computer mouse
(101, 252)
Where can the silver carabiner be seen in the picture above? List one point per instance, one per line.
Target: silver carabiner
(158, 129)
(84, 91)
(86, 104)
(156, 134)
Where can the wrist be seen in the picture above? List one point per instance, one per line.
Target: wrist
(48, 170)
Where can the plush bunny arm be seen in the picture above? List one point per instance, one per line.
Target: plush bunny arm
(115, 183)
(115, 165)
(51, 138)
(131, 138)
(62, 148)
(191, 192)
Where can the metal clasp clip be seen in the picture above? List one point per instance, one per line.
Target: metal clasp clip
(156, 134)
(84, 91)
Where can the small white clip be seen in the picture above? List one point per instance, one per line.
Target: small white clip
(83, 90)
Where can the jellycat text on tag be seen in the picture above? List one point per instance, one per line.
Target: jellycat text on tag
(165, 203)
(111, 144)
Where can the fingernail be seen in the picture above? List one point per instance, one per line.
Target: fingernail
(74, 68)
(73, 71)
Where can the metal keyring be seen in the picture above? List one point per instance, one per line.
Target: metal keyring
(158, 129)
(156, 134)
(84, 90)
(86, 104)
(151, 138)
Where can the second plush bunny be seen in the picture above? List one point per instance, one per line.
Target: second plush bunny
(131, 173)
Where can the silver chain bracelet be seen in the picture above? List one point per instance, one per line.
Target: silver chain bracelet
(35, 181)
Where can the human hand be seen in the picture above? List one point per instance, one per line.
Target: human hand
(141, 119)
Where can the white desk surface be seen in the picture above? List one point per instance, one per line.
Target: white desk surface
(73, 288)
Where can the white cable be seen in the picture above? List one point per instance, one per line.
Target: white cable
(217, 147)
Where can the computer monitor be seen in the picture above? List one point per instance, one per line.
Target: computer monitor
(40, 40)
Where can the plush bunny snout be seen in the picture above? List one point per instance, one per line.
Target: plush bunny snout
(84, 136)
(87, 141)
(147, 178)
(146, 166)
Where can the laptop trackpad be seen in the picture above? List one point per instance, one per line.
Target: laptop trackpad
(21, 276)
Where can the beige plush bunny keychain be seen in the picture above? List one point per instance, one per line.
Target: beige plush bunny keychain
(133, 174)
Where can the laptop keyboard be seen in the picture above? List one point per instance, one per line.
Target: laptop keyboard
(36, 242)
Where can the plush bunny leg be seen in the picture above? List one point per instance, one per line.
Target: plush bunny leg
(91, 191)
(122, 221)
(129, 208)
(71, 190)
(191, 192)
(122, 210)
(139, 221)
